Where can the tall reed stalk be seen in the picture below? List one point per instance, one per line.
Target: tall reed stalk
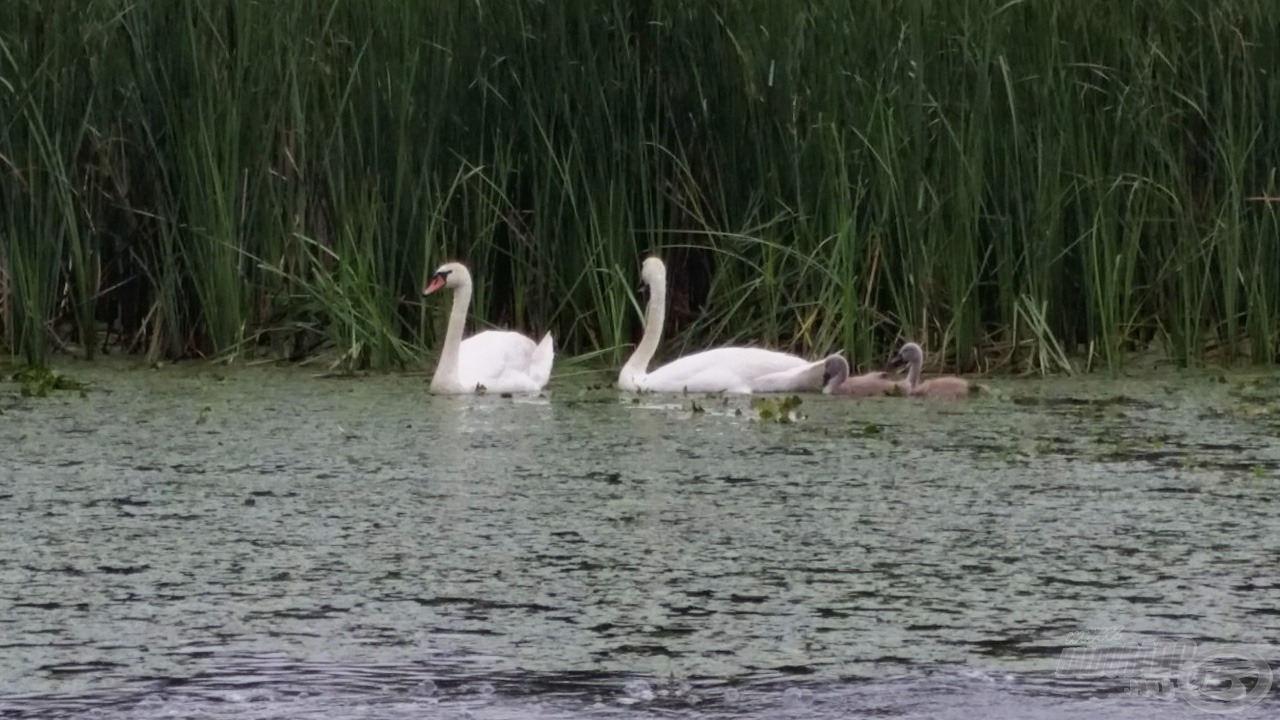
(1013, 184)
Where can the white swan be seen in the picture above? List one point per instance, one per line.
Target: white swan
(495, 360)
(731, 369)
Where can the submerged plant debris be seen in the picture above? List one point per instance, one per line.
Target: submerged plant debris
(39, 381)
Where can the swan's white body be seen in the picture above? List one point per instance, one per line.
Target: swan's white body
(494, 360)
(732, 369)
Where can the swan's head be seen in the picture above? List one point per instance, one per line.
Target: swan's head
(909, 354)
(835, 370)
(449, 275)
(653, 272)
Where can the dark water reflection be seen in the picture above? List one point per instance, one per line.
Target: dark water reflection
(267, 544)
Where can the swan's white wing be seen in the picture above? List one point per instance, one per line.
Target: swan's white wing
(496, 359)
(540, 361)
(797, 379)
(727, 370)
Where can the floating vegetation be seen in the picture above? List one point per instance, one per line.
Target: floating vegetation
(39, 381)
(782, 411)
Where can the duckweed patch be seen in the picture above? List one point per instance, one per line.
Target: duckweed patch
(779, 410)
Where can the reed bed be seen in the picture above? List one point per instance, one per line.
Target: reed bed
(1036, 186)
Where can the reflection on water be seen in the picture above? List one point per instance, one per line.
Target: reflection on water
(267, 544)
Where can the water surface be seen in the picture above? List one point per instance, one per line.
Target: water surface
(201, 541)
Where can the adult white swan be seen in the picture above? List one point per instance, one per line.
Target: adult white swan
(731, 369)
(495, 360)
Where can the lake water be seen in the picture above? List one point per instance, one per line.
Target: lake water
(263, 543)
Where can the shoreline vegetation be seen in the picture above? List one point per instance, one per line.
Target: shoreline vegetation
(1017, 186)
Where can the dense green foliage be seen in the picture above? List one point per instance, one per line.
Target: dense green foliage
(1007, 182)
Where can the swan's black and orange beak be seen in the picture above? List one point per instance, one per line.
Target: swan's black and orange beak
(435, 283)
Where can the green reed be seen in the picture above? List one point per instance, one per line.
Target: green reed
(1013, 184)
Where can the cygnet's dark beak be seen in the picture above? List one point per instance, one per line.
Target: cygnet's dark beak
(897, 361)
(826, 378)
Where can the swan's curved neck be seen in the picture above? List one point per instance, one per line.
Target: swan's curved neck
(842, 374)
(913, 372)
(447, 369)
(654, 316)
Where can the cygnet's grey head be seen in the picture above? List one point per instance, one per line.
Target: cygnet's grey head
(835, 369)
(909, 354)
